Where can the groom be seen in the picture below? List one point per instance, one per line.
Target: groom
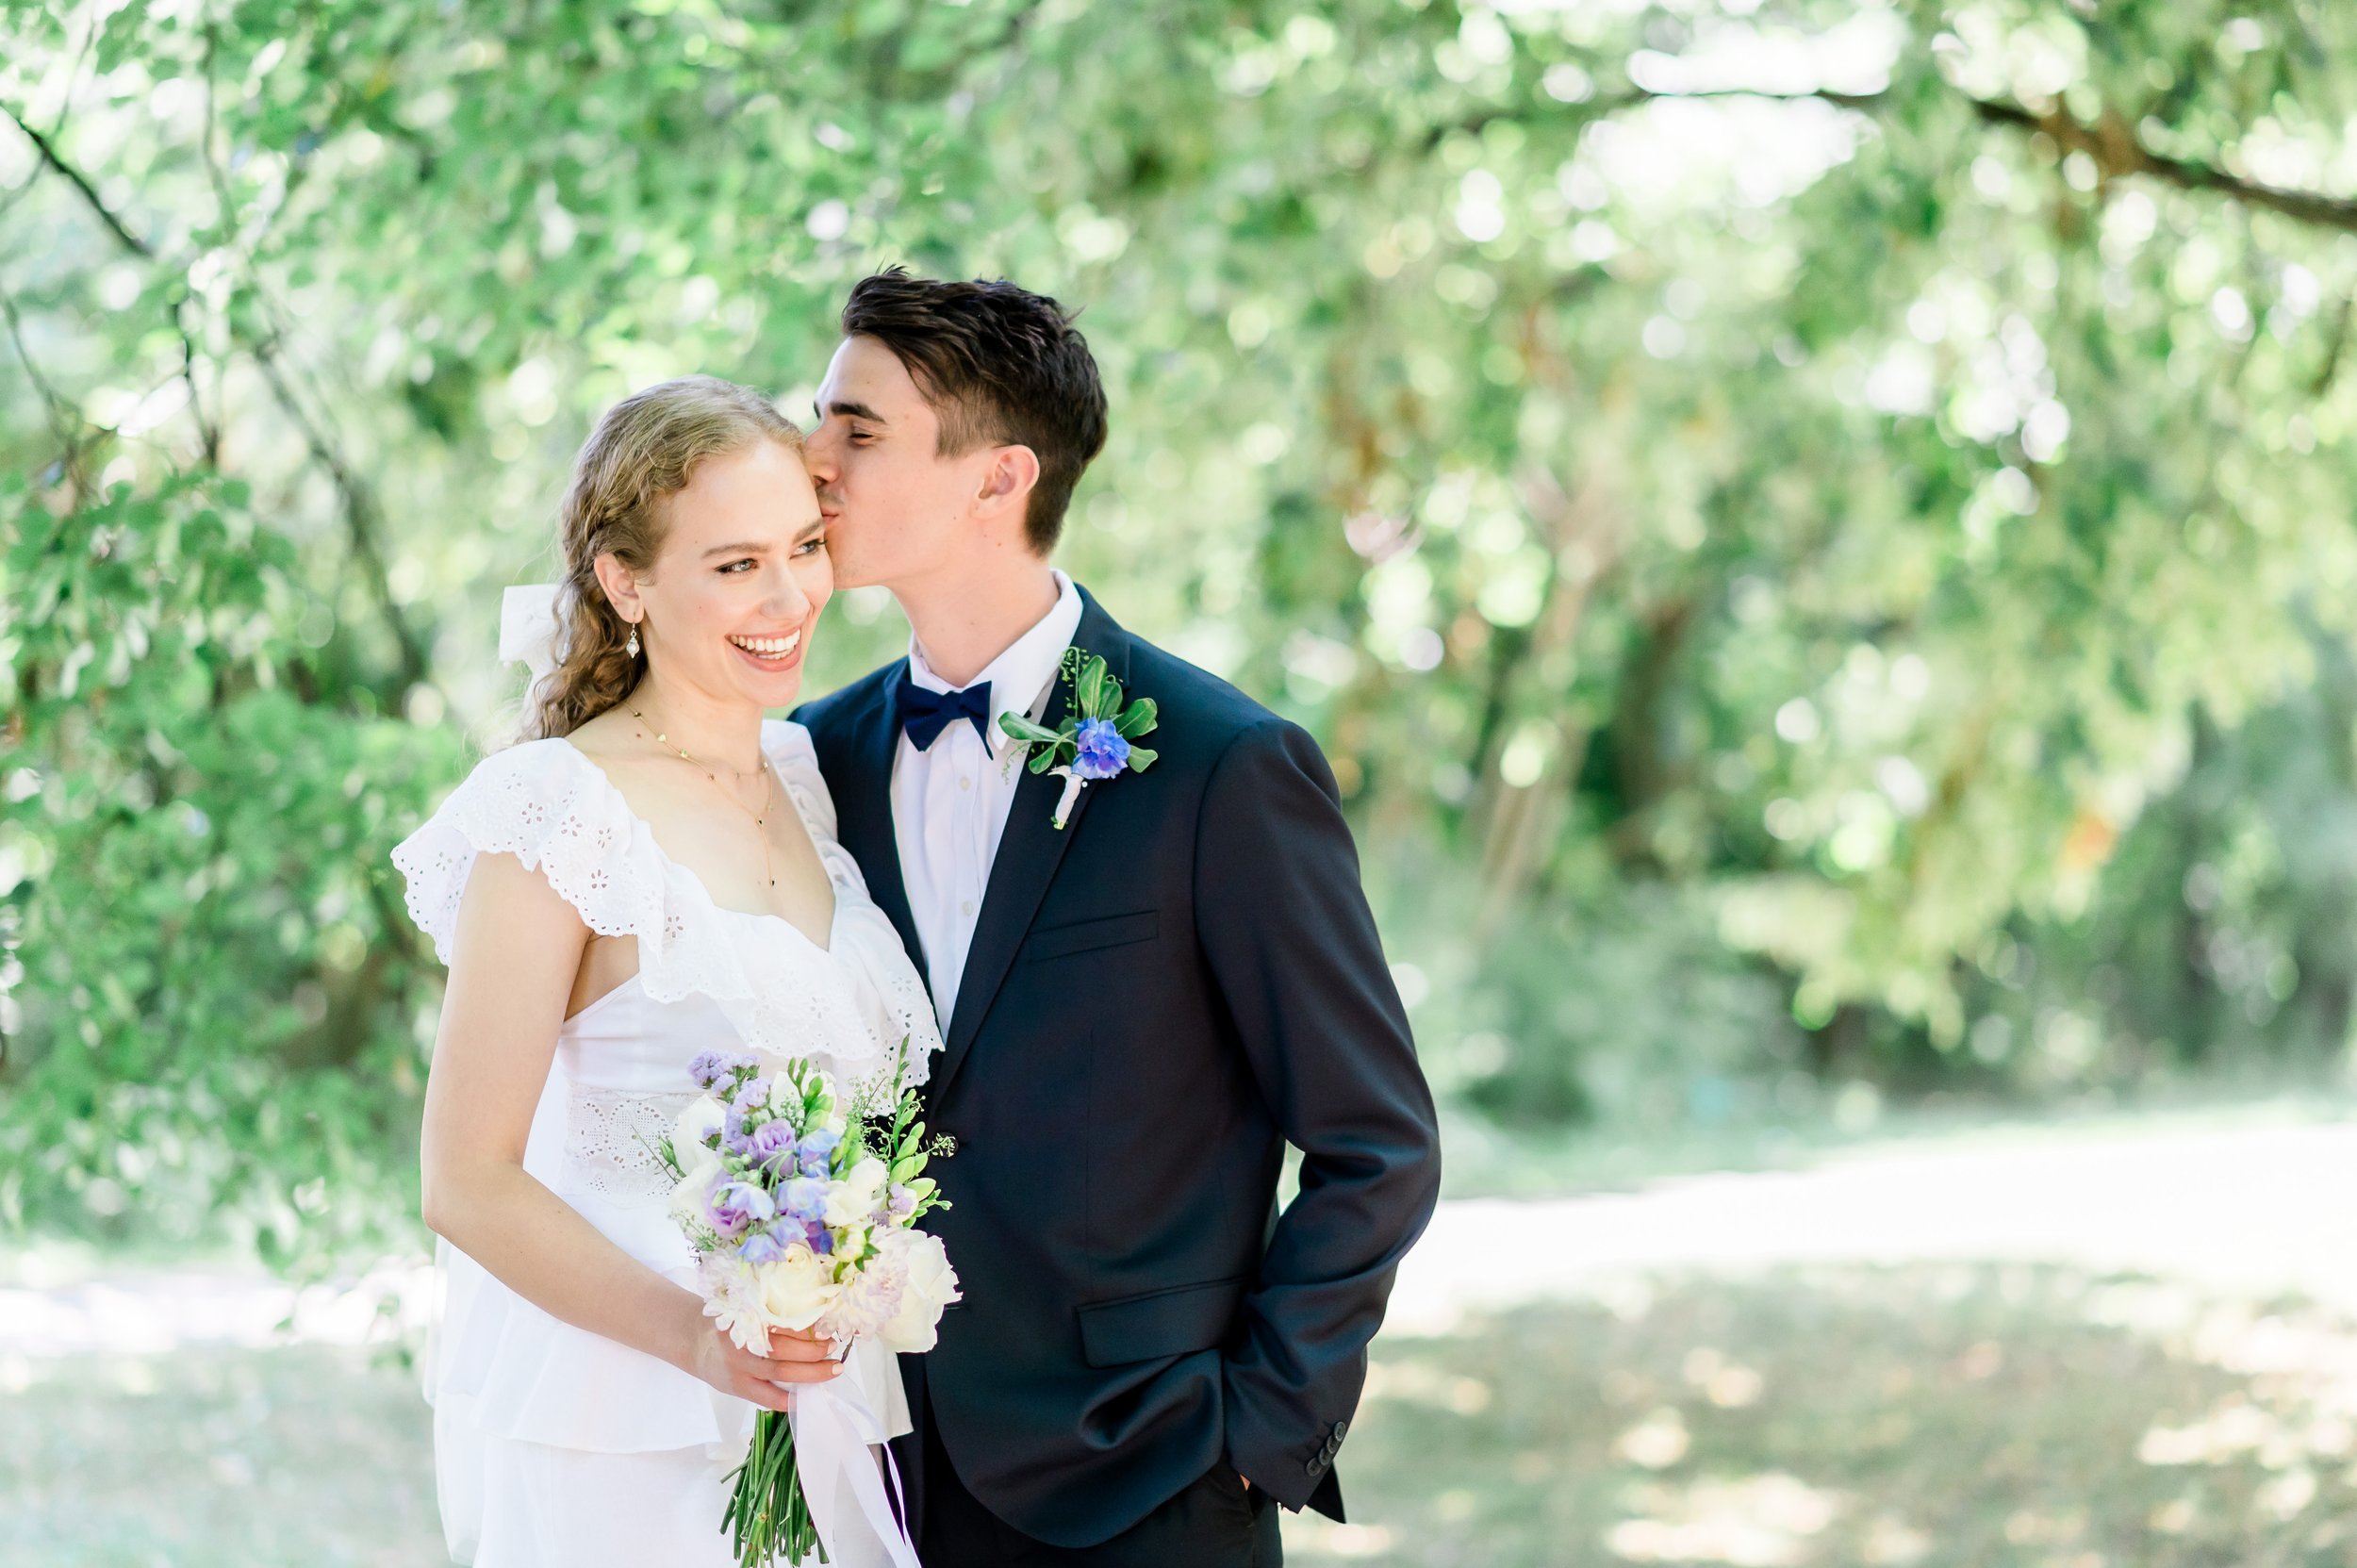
(1141, 1010)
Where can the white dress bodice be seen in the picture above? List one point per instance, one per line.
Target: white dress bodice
(501, 1370)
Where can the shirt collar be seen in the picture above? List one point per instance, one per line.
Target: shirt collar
(1021, 673)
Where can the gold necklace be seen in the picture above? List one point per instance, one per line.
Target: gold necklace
(761, 818)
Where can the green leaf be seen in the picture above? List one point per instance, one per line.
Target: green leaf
(1141, 759)
(1137, 719)
(1089, 691)
(1025, 730)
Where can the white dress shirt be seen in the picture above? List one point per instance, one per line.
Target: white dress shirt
(950, 801)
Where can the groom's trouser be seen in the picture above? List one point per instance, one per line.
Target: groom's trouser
(1213, 1524)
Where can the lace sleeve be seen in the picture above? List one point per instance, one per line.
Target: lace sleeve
(551, 808)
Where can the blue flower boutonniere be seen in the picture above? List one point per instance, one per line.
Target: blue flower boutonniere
(1095, 740)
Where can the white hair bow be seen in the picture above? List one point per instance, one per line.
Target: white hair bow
(528, 628)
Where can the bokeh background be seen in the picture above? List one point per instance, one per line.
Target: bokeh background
(1813, 532)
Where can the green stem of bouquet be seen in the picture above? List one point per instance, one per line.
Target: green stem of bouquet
(769, 1518)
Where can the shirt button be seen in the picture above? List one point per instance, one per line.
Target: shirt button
(965, 906)
(966, 784)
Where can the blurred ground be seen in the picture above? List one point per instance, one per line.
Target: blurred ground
(2077, 1350)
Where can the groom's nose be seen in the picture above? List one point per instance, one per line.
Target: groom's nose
(820, 457)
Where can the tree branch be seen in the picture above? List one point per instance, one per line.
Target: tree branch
(360, 512)
(2111, 143)
(2335, 347)
(64, 421)
(74, 177)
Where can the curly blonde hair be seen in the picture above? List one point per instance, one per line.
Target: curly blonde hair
(645, 448)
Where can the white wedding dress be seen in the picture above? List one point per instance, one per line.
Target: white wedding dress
(556, 1447)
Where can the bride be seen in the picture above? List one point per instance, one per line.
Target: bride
(652, 874)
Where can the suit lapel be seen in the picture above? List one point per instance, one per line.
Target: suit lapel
(1029, 852)
(863, 812)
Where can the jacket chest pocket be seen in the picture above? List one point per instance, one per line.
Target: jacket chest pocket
(1112, 930)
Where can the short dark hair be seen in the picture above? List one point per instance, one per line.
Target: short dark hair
(998, 364)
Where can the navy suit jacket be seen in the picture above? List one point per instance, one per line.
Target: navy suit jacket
(1157, 999)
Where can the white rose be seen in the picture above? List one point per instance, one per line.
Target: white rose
(797, 1290)
(703, 1117)
(930, 1284)
(855, 1197)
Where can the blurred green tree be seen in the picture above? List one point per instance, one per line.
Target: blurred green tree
(1758, 496)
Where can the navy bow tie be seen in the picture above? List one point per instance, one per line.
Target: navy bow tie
(925, 714)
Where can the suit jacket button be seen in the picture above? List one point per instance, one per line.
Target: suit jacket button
(1340, 1427)
(1313, 1466)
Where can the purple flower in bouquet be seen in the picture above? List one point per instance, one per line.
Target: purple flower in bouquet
(804, 1197)
(734, 1205)
(1100, 752)
(817, 1147)
(736, 1131)
(901, 1201)
(711, 1066)
(772, 1145)
(762, 1247)
(821, 1239)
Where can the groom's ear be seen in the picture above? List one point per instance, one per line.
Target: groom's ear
(622, 588)
(1008, 480)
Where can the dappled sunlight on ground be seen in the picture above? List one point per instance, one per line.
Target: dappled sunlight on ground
(2244, 1211)
(1812, 1369)
(216, 1458)
(1817, 1417)
(1929, 1414)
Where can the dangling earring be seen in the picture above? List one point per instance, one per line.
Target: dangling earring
(631, 646)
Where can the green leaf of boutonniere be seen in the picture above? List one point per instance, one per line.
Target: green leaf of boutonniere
(1022, 729)
(1089, 691)
(1136, 719)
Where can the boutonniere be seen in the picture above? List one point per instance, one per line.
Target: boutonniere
(1094, 740)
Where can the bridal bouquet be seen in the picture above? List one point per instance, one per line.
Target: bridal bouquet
(802, 1211)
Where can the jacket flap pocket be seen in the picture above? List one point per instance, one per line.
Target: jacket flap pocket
(1162, 1322)
(1111, 931)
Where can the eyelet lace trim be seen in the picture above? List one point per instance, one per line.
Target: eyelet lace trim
(611, 1136)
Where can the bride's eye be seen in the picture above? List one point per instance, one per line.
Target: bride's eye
(732, 569)
(810, 546)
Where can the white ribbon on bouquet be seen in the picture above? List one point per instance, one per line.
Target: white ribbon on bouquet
(836, 1427)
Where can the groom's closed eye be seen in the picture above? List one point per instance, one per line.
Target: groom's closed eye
(866, 424)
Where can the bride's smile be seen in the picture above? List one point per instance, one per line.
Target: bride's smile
(771, 650)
